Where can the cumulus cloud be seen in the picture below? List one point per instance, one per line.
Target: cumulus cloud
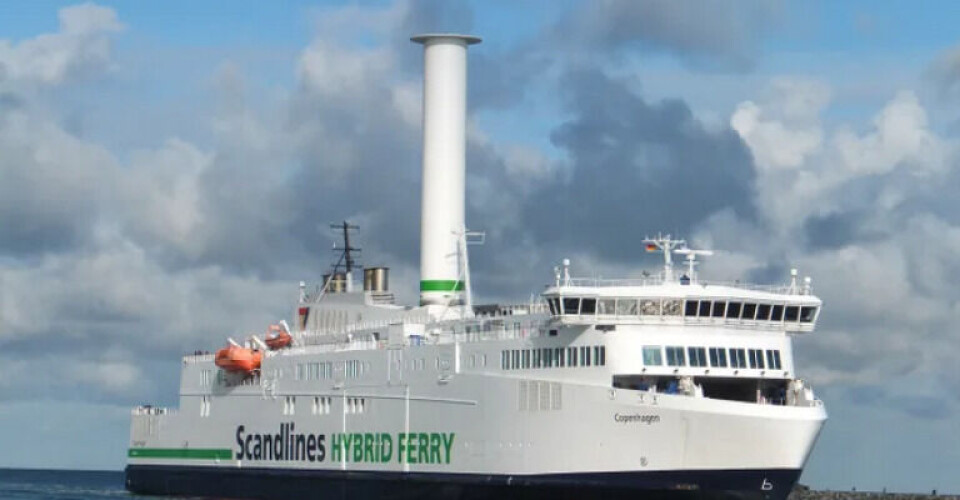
(82, 46)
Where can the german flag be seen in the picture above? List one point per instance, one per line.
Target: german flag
(651, 247)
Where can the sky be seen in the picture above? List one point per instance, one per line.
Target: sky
(168, 171)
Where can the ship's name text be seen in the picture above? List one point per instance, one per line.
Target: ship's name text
(355, 447)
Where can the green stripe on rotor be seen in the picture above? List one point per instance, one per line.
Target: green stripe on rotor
(441, 286)
(187, 453)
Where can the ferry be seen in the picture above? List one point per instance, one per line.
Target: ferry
(668, 385)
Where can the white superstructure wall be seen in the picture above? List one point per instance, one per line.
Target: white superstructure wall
(444, 167)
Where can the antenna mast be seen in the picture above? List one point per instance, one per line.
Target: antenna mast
(666, 245)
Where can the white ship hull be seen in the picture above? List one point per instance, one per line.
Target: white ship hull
(474, 427)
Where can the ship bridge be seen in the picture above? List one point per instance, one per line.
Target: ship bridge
(669, 299)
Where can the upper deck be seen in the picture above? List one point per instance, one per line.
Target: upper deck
(669, 299)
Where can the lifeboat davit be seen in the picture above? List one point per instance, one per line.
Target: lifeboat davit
(277, 338)
(238, 359)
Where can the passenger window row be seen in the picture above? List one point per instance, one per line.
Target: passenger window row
(625, 306)
(553, 357)
(714, 357)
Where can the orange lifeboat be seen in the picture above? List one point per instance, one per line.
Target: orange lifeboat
(277, 338)
(238, 359)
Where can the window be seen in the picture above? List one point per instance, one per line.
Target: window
(503, 360)
(777, 313)
(607, 306)
(773, 359)
(719, 308)
(763, 312)
(571, 305)
(671, 307)
(547, 358)
(738, 358)
(650, 307)
(704, 311)
(698, 356)
(733, 310)
(791, 313)
(749, 311)
(626, 307)
(554, 306)
(807, 313)
(599, 355)
(588, 306)
(652, 355)
(718, 357)
(585, 354)
(675, 356)
(573, 355)
(756, 358)
(526, 359)
(560, 355)
(690, 308)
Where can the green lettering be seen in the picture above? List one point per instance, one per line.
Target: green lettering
(423, 448)
(357, 447)
(434, 448)
(368, 448)
(336, 441)
(448, 444)
(386, 447)
(411, 448)
(401, 446)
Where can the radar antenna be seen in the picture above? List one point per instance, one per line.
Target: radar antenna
(692, 260)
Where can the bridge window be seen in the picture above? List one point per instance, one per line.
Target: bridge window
(773, 359)
(585, 354)
(588, 306)
(675, 356)
(807, 313)
(554, 306)
(777, 313)
(749, 311)
(718, 357)
(650, 307)
(719, 308)
(626, 307)
(756, 358)
(672, 307)
(571, 305)
(526, 359)
(698, 356)
(791, 313)
(572, 355)
(652, 355)
(607, 306)
(704, 311)
(733, 310)
(738, 358)
(690, 308)
(763, 312)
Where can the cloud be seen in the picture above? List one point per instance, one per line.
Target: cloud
(708, 34)
(634, 167)
(82, 47)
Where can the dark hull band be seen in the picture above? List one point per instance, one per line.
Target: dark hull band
(264, 483)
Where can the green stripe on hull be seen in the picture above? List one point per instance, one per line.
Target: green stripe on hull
(441, 286)
(186, 453)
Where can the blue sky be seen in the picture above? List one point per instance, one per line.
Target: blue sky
(167, 171)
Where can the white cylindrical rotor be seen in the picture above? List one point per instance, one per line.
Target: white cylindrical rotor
(444, 166)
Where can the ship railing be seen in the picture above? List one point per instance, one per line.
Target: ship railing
(198, 358)
(659, 280)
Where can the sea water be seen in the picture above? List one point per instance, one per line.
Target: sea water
(18, 484)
